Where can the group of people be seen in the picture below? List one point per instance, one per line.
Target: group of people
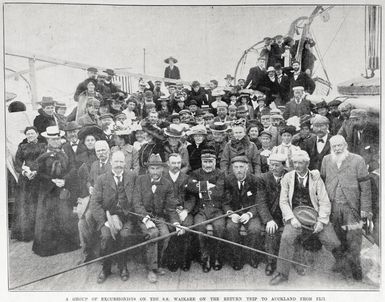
(256, 164)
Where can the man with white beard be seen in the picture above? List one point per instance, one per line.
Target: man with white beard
(348, 186)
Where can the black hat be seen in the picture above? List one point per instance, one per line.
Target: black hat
(172, 59)
(155, 160)
(92, 69)
(322, 104)
(335, 103)
(72, 126)
(288, 129)
(193, 102)
(152, 130)
(266, 133)
(208, 153)
(110, 72)
(94, 130)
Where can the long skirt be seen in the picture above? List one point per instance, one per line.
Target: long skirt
(56, 224)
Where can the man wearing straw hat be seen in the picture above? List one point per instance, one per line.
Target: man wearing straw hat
(112, 197)
(154, 198)
(303, 192)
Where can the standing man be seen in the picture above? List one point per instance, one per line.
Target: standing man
(318, 146)
(243, 189)
(207, 185)
(154, 198)
(302, 188)
(270, 213)
(298, 105)
(299, 78)
(171, 71)
(348, 186)
(283, 86)
(92, 74)
(112, 196)
(256, 75)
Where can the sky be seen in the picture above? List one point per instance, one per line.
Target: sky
(207, 40)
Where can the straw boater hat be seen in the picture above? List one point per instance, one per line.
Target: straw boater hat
(217, 92)
(155, 160)
(307, 216)
(171, 58)
(52, 132)
(60, 105)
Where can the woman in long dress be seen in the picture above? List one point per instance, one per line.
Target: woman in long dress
(27, 189)
(56, 225)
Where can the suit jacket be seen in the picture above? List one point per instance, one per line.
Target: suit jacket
(317, 191)
(316, 158)
(302, 80)
(252, 193)
(353, 179)
(161, 204)
(87, 120)
(273, 191)
(104, 196)
(294, 109)
(255, 76)
(275, 137)
(131, 157)
(73, 181)
(180, 192)
(172, 74)
(367, 145)
(284, 88)
(96, 171)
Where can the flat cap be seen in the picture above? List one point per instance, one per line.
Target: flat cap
(280, 157)
(334, 103)
(241, 159)
(319, 119)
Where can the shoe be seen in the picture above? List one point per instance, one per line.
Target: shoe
(206, 265)
(270, 268)
(356, 271)
(152, 277)
(124, 275)
(237, 265)
(254, 262)
(217, 265)
(159, 271)
(278, 279)
(103, 276)
(186, 264)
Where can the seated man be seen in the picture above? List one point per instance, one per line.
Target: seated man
(154, 198)
(243, 189)
(271, 214)
(207, 185)
(302, 187)
(111, 198)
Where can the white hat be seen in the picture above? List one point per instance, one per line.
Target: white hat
(52, 132)
(298, 88)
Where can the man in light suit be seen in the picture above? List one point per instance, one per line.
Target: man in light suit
(302, 187)
(349, 188)
(154, 198)
(111, 198)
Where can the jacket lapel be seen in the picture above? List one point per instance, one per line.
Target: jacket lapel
(291, 187)
(111, 181)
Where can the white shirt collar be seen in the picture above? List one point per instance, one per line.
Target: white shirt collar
(324, 138)
(174, 176)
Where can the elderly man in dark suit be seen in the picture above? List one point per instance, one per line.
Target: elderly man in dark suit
(207, 185)
(180, 255)
(87, 223)
(365, 138)
(298, 105)
(111, 198)
(271, 214)
(302, 188)
(349, 188)
(171, 71)
(256, 75)
(154, 198)
(318, 146)
(243, 189)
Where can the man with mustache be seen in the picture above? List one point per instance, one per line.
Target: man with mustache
(298, 105)
(154, 198)
(299, 78)
(112, 197)
(348, 186)
(243, 189)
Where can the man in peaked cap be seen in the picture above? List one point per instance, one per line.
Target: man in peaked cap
(298, 105)
(318, 146)
(242, 189)
(270, 212)
(207, 186)
(154, 198)
(92, 73)
(302, 187)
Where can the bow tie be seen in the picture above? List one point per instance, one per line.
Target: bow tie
(320, 140)
(74, 144)
(155, 182)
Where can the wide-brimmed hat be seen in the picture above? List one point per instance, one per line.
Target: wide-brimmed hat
(270, 68)
(152, 130)
(46, 101)
(93, 130)
(173, 131)
(217, 92)
(72, 126)
(110, 72)
(52, 132)
(229, 76)
(288, 129)
(334, 103)
(322, 104)
(307, 216)
(219, 127)
(170, 58)
(155, 160)
(198, 130)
